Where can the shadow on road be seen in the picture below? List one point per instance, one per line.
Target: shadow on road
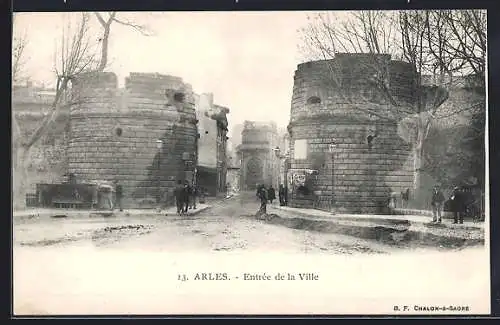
(400, 233)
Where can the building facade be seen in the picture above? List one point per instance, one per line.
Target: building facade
(259, 162)
(211, 168)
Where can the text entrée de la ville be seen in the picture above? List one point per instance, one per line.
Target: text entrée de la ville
(279, 276)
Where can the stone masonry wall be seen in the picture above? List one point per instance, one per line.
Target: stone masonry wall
(114, 135)
(360, 177)
(329, 106)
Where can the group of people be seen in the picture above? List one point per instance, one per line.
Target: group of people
(185, 197)
(266, 195)
(457, 204)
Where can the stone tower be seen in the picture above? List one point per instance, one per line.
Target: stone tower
(116, 135)
(343, 157)
(259, 164)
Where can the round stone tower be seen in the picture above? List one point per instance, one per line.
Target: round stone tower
(259, 162)
(345, 152)
(143, 136)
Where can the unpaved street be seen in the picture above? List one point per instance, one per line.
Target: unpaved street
(230, 225)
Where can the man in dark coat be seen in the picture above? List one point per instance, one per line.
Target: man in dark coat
(405, 197)
(179, 197)
(192, 196)
(437, 204)
(263, 199)
(271, 194)
(457, 205)
(186, 195)
(281, 195)
(119, 195)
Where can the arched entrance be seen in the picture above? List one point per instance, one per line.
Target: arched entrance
(254, 172)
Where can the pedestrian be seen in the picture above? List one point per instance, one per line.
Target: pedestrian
(285, 195)
(179, 197)
(281, 194)
(228, 190)
(405, 197)
(192, 197)
(393, 197)
(271, 193)
(457, 205)
(107, 195)
(437, 204)
(119, 194)
(186, 195)
(95, 196)
(201, 193)
(263, 199)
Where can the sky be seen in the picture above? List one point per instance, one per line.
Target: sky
(246, 59)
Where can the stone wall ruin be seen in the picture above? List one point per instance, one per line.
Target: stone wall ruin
(353, 159)
(114, 134)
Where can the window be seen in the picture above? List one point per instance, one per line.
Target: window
(179, 97)
(313, 100)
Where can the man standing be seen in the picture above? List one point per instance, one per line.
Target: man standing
(437, 204)
(457, 206)
(192, 196)
(187, 194)
(271, 193)
(228, 190)
(281, 195)
(179, 197)
(119, 195)
(405, 197)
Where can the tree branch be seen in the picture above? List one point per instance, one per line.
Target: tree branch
(140, 28)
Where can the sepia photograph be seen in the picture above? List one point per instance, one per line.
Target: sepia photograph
(250, 162)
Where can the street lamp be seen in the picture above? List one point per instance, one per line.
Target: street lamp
(332, 148)
(159, 146)
(277, 152)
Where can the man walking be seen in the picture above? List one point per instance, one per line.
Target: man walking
(437, 204)
(263, 199)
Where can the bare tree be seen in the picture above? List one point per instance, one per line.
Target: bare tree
(106, 26)
(19, 43)
(432, 41)
(74, 57)
(457, 41)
